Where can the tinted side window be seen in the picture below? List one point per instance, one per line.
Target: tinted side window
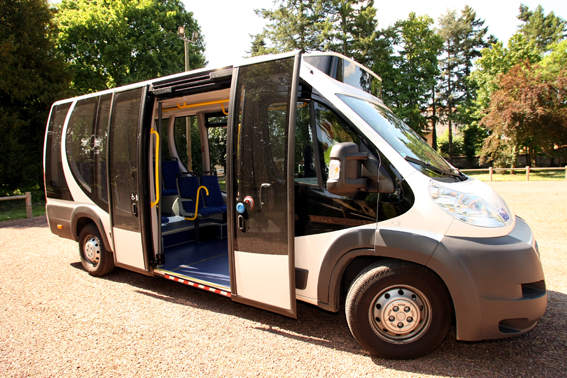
(100, 192)
(55, 184)
(80, 142)
(87, 137)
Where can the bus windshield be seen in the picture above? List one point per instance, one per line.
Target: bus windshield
(400, 136)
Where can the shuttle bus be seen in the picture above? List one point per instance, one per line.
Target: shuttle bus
(300, 185)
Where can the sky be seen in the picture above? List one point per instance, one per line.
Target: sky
(227, 24)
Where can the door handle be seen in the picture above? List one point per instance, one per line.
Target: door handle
(135, 209)
(240, 221)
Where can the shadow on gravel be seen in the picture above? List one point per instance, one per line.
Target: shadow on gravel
(539, 353)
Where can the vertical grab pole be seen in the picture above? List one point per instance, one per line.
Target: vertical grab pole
(157, 181)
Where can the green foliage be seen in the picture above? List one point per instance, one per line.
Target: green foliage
(350, 28)
(408, 89)
(217, 146)
(259, 46)
(540, 29)
(556, 60)
(473, 138)
(16, 209)
(443, 144)
(464, 38)
(293, 25)
(345, 26)
(528, 111)
(33, 76)
(114, 43)
(538, 33)
(498, 60)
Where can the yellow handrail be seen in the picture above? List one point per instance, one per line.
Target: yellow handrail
(222, 102)
(185, 106)
(153, 131)
(197, 204)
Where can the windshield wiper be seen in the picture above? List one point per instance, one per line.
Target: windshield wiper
(431, 167)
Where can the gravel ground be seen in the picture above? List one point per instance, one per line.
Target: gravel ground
(57, 321)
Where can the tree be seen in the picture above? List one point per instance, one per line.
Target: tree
(344, 26)
(464, 38)
(443, 144)
(33, 76)
(541, 29)
(556, 60)
(497, 60)
(528, 111)
(293, 25)
(259, 46)
(350, 28)
(113, 43)
(410, 86)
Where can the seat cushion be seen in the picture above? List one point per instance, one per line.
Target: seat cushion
(206, 211)
(188, 186)
(169, 192)
(169, 169)
(214, 198)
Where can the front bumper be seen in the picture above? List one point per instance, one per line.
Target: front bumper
(497, 284)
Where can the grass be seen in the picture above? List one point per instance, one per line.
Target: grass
(558, 175)
(222, 183)
(16, 209)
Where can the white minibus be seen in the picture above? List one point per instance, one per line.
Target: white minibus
(304, 186)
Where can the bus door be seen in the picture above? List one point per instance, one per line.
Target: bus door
(260, 184)
(123, 158)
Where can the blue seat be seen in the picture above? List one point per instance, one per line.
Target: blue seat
(188, 186)
(169, 171)
(214, 200)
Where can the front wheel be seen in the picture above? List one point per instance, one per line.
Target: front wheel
(94, 257)
(398, 310)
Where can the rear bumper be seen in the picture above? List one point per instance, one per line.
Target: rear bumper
(497, 284)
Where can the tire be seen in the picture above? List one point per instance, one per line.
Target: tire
(96, 260)
(398, 310)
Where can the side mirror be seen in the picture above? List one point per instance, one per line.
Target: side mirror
(385, 182)
(344, 169)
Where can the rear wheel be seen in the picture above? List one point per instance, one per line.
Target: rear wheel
(398, 310)
(95, 258)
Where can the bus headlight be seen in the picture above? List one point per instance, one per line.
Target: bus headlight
(467, 207)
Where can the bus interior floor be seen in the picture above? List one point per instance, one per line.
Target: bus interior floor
(206, 261)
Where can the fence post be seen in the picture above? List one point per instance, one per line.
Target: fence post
(527, 173)
(490, 170)
(29, 205)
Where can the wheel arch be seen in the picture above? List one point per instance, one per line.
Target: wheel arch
(83, 215)
(354, 251)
